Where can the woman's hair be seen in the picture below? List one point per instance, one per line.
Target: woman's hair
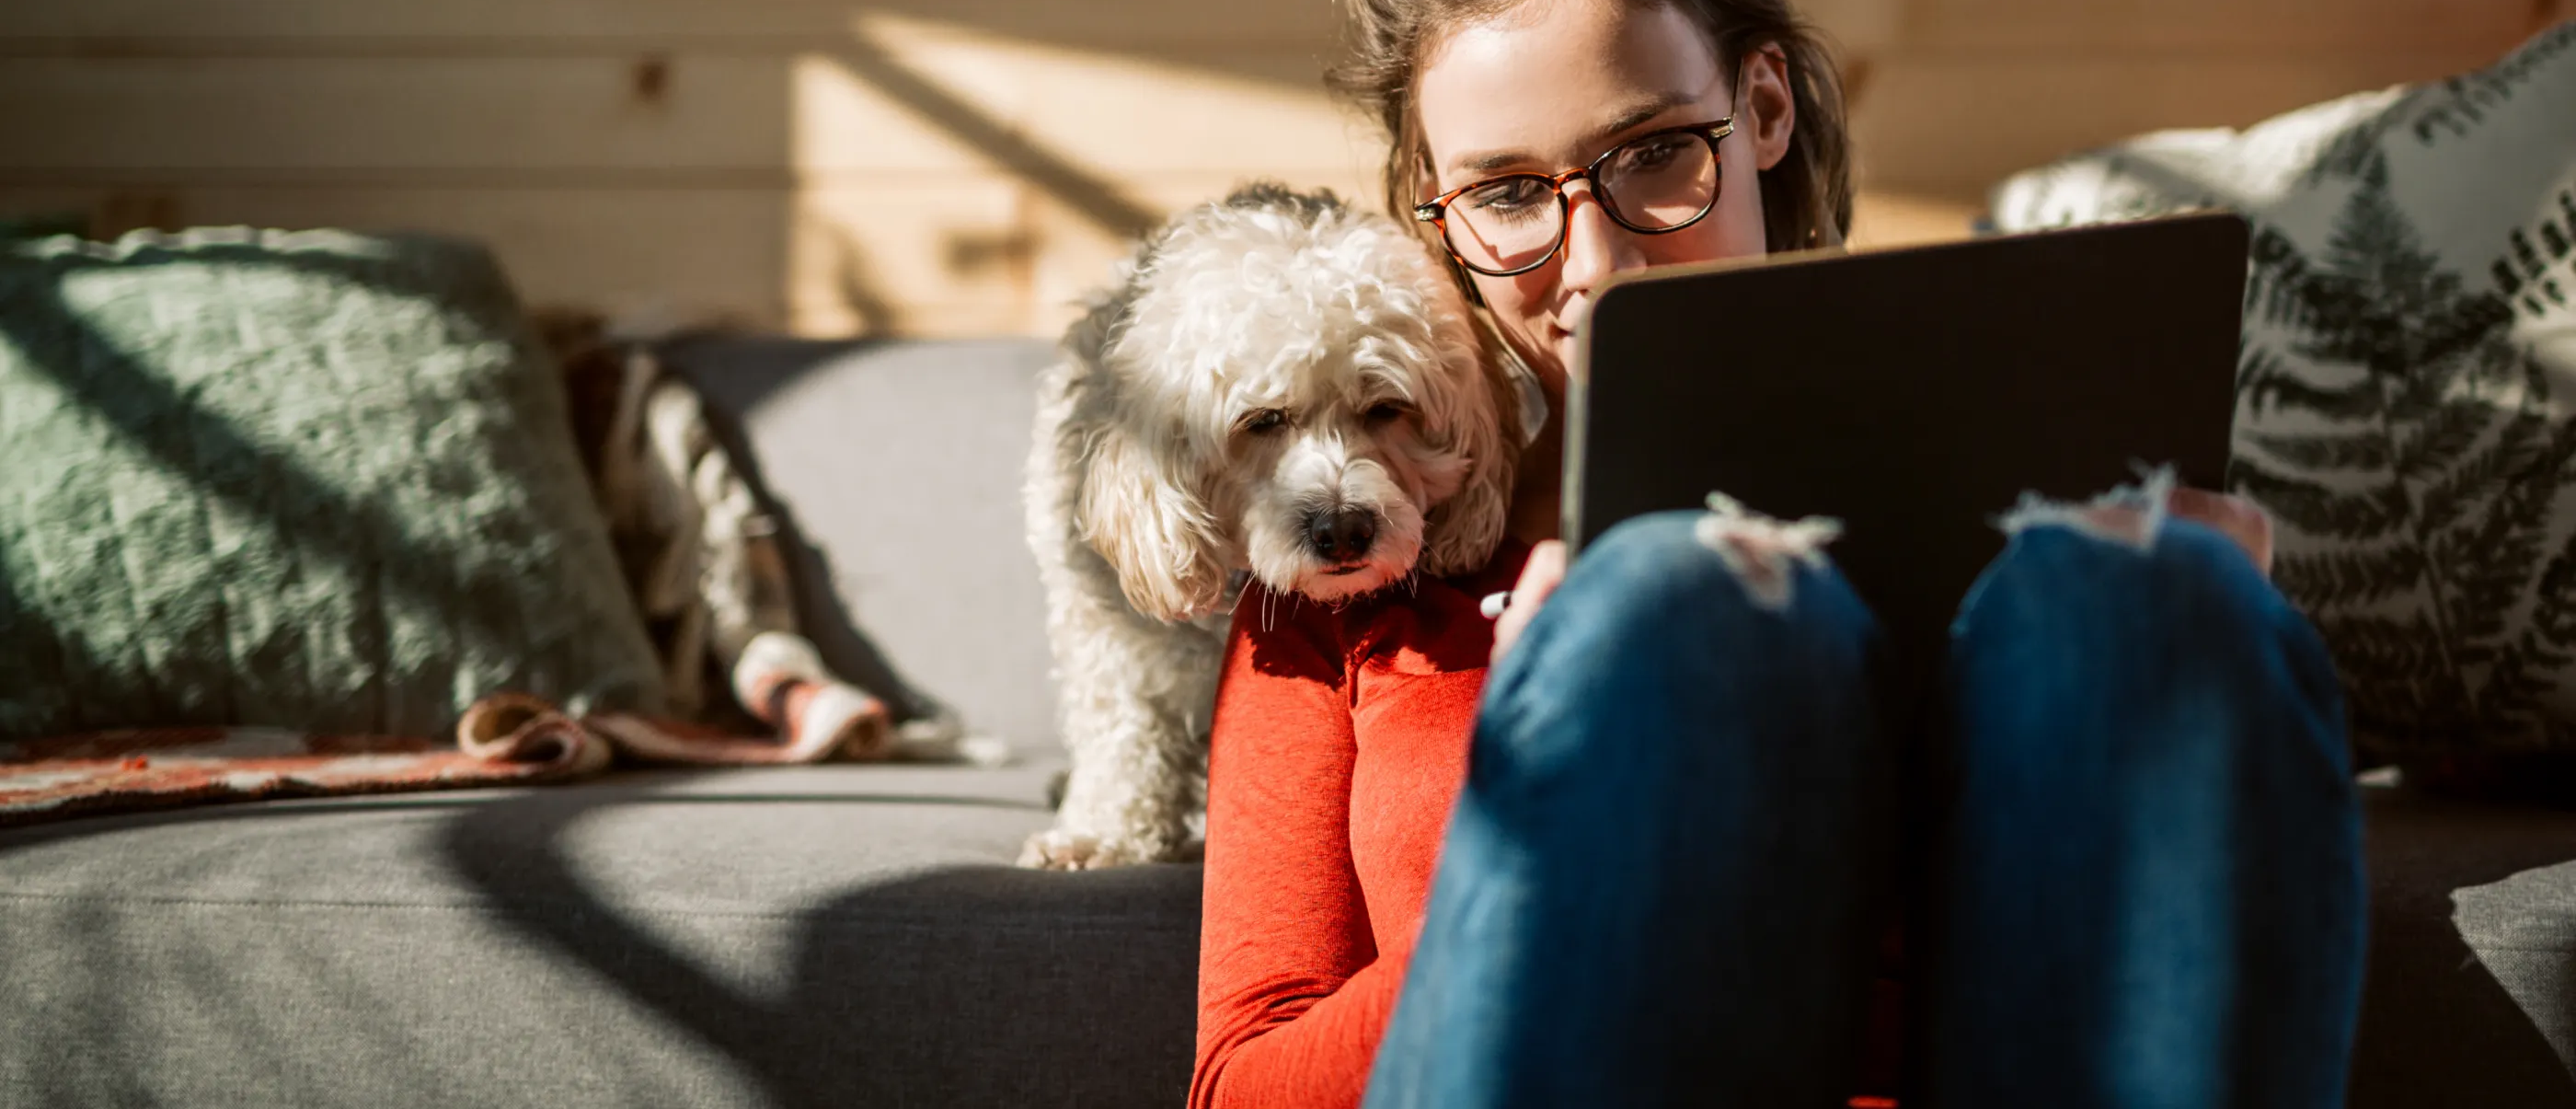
(1806, 198)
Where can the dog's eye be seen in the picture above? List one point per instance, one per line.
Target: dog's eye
(1264, 421)
(1387, 411)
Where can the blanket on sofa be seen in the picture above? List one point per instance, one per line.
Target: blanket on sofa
(502, 740)
(701, 561)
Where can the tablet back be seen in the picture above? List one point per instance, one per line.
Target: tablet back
(1913, 393)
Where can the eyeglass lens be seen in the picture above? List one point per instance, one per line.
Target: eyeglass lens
(1654, 183)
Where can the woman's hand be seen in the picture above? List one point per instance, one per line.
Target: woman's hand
(1539, 577)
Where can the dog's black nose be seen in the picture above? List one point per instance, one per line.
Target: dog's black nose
(1342, 534)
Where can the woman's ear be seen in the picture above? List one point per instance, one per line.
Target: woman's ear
(1479, 417)
(1766, 110)
(1144, 513)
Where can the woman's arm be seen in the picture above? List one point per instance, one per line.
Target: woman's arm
(1292, 998)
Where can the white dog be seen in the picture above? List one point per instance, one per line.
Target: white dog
(1280, 385)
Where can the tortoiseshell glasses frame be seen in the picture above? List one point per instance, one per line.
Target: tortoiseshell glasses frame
(1437, 210)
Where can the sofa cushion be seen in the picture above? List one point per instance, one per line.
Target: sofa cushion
(2470, 994)
(851, 935)
(835, 935)
(898, 467)
(316, 481)
(2410, 337)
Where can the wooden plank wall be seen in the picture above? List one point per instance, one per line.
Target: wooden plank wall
(950, 167)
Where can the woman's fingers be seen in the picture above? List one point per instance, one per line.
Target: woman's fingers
(1539, 578)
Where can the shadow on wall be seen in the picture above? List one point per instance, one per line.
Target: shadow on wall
(1059, 175)
(1090, 194)
(861, 292)
(651, 161)
(1245, 40)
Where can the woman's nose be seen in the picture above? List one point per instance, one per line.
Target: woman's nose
(1595, 245)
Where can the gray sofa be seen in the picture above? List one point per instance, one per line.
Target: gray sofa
(854, 935)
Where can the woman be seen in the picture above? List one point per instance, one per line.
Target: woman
(2126, 845)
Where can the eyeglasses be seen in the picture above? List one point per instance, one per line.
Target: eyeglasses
(1658, 182)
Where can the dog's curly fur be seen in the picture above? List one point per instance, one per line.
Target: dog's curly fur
(1266, 365)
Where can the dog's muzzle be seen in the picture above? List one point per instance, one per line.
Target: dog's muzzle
(1341, 535)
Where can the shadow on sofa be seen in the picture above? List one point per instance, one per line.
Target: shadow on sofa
(992, 985)
(981, 985)
(2434, 1007)
(784, 937)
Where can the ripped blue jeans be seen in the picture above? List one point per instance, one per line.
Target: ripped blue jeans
(2125, 843)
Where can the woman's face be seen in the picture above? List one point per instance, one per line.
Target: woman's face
(1550, 85)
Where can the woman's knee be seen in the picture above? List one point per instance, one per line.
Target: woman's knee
(1675, 638)
(1683, 575)
(2179, 582)
(2178, 619)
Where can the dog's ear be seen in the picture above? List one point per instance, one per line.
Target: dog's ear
(1143, 510)
(1473, 410)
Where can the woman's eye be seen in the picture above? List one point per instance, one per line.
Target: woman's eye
(1265, 421)
(1651, 154)
(1504, 198)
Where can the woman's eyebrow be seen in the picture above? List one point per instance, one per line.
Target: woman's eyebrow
(1489, 161)
(1639, 114)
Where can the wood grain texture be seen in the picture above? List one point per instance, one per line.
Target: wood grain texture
(2217, 28)
(1951, 125)
(1118, 25)
(631, 251)
(866, 109)
(973, 166)
(1900, 219)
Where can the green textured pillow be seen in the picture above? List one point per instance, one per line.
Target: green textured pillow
(309, 480)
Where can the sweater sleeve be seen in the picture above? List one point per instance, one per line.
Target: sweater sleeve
(1292, 995)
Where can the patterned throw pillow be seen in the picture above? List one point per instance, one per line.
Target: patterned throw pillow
(315, 481)
(2407, 385)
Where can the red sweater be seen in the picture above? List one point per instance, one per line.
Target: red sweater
(1340, 742)
(1339, 745)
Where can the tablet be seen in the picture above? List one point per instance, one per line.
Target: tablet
(1912, 393)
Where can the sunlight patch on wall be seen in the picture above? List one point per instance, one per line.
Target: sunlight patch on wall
(952, 180)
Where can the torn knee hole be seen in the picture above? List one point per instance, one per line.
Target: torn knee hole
(1762, 552)
(2130, 515)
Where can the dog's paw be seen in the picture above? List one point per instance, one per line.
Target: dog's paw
(1059, 849)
